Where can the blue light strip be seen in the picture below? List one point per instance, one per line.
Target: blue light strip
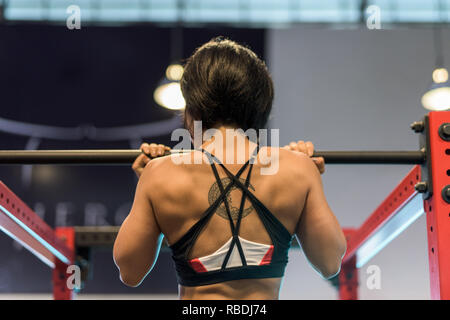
(47, 245)
(267, 12)
(390, 230)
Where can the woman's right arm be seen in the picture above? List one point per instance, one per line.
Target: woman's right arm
(318, 230)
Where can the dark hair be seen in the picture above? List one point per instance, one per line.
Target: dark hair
(226, 83)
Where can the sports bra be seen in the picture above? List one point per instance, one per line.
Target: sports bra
(238, 258)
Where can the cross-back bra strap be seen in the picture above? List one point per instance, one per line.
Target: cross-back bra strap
(268, 219)
(238, 225)
(227, 256)
(220, 185)
(212, 158)
(249, 161)
(265, 215)
(235, 231)
(198, 227)
(235, 239)
(241, 208)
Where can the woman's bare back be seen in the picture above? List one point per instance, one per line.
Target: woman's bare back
(187, 190)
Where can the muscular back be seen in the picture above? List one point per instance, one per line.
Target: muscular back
(180, 193)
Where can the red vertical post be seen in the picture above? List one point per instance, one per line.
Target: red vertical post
(60, 276)
(437, 207)
(348, 277)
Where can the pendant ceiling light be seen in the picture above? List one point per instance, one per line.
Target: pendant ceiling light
(437, 98)
(168, 93)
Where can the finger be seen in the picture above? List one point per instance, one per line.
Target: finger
(319, 160)
(320, 168)
(301, 146)
(320, 163)
(310, 148)
(145, 148)
(161, 149)
(293, 146)
(140, 161)
(135, 165)
(286, 147)
(153, 150)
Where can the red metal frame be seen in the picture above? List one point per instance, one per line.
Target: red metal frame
(356, 238)
(25, 226)
(437, 210)
(61, 290)
(394, 202)
(348, 277)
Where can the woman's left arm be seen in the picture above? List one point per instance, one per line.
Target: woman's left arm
(137, 245)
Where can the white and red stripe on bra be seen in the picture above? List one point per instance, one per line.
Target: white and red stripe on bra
(256, 254)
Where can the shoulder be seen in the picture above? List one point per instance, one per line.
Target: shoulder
(157, 170)
(289, 168)
(169, 173)
(295, 162)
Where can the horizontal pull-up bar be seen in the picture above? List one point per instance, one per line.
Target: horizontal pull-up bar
(124, 157)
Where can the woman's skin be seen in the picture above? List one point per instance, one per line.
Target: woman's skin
(170, 198)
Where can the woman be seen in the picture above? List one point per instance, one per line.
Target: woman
(229, 226)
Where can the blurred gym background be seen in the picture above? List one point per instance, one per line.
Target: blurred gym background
(93, 74)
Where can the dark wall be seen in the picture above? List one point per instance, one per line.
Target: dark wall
(96, 76)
